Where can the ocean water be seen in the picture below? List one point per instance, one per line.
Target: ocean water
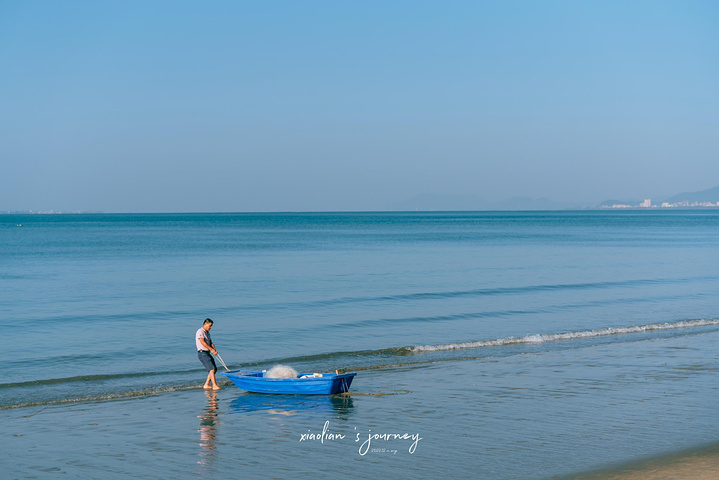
(487, 345)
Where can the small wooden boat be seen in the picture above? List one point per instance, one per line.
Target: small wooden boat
(305, 384)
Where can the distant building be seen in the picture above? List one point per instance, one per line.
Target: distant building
(646, 203)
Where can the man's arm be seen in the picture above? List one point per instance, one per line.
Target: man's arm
(210, 347)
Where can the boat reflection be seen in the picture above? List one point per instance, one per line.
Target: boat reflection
(338, 406)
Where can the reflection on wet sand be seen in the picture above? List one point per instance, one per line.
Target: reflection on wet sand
(208, 429)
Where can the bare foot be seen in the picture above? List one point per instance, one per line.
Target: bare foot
(216, 387)
(205, 386)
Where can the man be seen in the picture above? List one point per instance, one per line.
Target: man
(204, 348)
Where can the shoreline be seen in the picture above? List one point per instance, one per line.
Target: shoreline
(700, 463)
(633, 209)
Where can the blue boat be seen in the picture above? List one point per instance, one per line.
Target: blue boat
(305, 384)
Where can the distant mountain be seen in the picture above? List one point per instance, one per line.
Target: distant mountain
(609, 203)
(432, 202)
(688, 199)
(709, 195)
(527, 203)
(429, 202)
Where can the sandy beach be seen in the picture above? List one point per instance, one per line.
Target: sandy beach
(700, 464)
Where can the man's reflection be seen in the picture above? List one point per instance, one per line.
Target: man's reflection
(208, 428)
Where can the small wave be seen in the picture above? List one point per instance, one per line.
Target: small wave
(553, 337)
(340, 301)
(120, 395)
(480, 292)
(93, 378)
(548, 310)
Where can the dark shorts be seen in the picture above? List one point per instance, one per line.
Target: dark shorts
(207, 360)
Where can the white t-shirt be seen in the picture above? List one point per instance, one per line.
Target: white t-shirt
(205, 335)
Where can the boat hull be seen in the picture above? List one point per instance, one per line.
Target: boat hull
(255, 381)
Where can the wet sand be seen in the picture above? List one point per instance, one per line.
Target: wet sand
(700, 464)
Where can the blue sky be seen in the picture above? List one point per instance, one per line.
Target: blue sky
(289, 106)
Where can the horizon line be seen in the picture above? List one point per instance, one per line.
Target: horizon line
(210, 212)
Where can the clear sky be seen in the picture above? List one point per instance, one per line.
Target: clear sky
(156, 106)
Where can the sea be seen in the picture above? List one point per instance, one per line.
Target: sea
(487, 345)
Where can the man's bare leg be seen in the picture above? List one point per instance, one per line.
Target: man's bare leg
(211, 378)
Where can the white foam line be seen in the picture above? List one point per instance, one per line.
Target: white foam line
(552, 337)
